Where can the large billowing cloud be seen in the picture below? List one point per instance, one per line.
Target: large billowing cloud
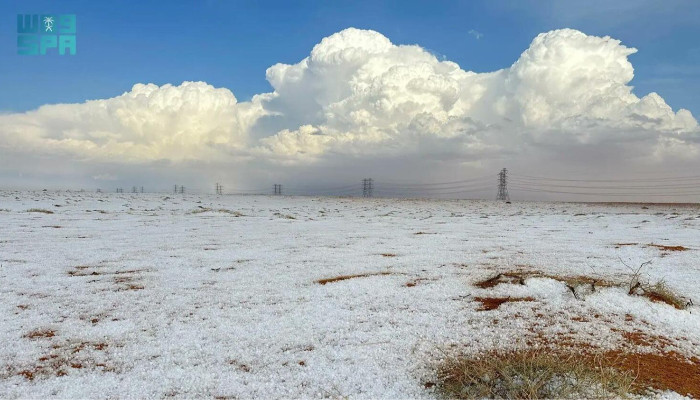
(359, 92)
(359, 95)
(190, 121)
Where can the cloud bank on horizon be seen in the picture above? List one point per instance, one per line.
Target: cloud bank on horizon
(358, 95)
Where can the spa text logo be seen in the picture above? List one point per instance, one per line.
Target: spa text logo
(41, 34)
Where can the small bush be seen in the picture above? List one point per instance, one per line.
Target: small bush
(531, 374)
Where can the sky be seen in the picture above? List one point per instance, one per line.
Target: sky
(318, 93)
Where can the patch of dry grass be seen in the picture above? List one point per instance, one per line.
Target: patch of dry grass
(346, 277)
(40, 210)
(531, 374)
(668, 248)
(661, 292)
(219, 210)
(492, 303)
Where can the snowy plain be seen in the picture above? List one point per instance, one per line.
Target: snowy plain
(162, 295)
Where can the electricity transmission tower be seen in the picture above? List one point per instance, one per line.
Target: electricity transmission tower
(367, 187)
(503, 185)
(278, 188)
(219, 189)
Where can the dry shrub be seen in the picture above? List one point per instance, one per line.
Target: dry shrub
(531, 374)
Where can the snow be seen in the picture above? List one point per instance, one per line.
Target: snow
(156, 295)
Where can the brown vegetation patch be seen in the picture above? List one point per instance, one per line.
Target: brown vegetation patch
(519, 277)
(656, 366)
(668, 248)
(60, 359)
(529, 374)
(506, 277)
(632, 370)
(639, 338)
(618, 245)
(417, 281)
(388, 255)
(346, 277)
(492, 303)
(40, 333)
(130, 286)
(83, 270)
(83, 273)
(39, 210)
(659, 298)
(660, 292)
(239, 365)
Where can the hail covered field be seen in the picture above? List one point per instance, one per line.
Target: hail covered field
(155, 295)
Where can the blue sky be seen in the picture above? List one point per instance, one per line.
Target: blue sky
(231, 43)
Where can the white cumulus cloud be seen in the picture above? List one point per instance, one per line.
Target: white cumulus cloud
(358, 94)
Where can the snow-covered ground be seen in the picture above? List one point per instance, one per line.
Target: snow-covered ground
(153, 295)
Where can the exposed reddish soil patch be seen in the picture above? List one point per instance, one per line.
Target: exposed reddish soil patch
(492, 303)
(665, 371)
(668, 248)
(656, 367)
(346, 277)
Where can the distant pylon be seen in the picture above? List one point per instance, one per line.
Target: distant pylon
(219, 189)
(277, 188)
(503, 186)
(367, 187)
